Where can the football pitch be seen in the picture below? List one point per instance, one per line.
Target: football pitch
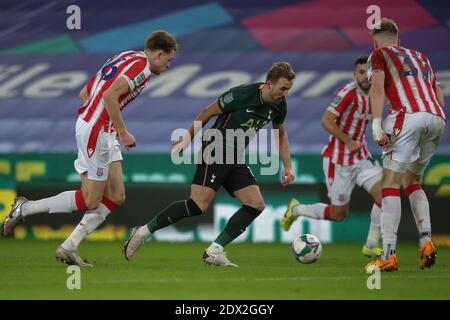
(175, 271)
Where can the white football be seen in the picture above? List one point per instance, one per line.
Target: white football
(306, 248)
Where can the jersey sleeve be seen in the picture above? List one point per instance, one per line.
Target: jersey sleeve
(376, 61)
(230, 101)
(279, 119)
(137, 73)
(341, 101)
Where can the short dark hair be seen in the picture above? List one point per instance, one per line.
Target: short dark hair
(161, 40)
(280, 70)
(385, 26)
(361, 59)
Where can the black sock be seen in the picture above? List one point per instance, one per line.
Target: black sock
(237, 224)
(173, 213)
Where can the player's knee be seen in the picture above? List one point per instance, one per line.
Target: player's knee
(339, 214)
(193, 208)
(202, 204)
(258, 205)
(118, 198)
(340, 217)
(92, 203)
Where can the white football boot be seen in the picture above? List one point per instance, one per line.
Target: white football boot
(217, 257)
(14, 218)
(70, 258)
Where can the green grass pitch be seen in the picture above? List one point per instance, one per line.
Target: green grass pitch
(175, 271)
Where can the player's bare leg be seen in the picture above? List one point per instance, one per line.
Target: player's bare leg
(371, 247)
(65, 202)
(92, 195)
(319, 211)
(412, 185)
(198, 202)
(252, 205)
(112, 197)
(390, 219)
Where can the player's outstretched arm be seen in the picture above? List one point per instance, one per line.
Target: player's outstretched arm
(329, 123)
(111, 99)
(285, 154)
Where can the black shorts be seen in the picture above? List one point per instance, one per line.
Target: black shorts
(231, 176)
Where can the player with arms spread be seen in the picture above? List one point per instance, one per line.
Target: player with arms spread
(99, 129)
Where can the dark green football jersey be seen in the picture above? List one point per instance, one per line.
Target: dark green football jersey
(244, 110)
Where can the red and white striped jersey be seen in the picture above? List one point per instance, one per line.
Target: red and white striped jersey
(352, 108)
(409, 79)
(133, 66)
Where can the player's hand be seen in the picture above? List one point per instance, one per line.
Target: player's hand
(127, 140)
(353, 145)
(384, 142)
(288, 177)
(378, 134)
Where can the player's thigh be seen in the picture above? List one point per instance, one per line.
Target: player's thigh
(369, 177)
(115, 188)
(430, 139)
(404, 140)
(202, 195)
(340, 181)
(93, 193)
(410, 178)
(391, 179)
(339, 213)
(250, 196)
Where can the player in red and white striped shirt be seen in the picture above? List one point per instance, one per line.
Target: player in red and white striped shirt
(346, 159)
(99, 129)
(409, 135)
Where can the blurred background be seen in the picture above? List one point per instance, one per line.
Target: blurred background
(44, 64)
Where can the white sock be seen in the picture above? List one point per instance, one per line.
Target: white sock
(215, 247)
(315, 211)
(374, 234)
(144, 232)
(390, 220)
(91, 220)
(421, 211)
(61, 203)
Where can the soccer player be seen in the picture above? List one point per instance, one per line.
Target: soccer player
(409, 136)
(99, 129)
(346, 160)
(241, 109)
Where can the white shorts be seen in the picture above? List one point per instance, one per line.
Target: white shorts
(413, 142)
(107, 150)
(364, 173)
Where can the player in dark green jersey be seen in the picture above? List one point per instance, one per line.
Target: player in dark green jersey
(242, 110)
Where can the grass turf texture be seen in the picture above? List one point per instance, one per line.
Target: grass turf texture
(175, 271)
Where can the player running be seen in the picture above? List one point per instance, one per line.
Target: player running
(246, 108)
(346, 160)
(409, 135)
(99, 129)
